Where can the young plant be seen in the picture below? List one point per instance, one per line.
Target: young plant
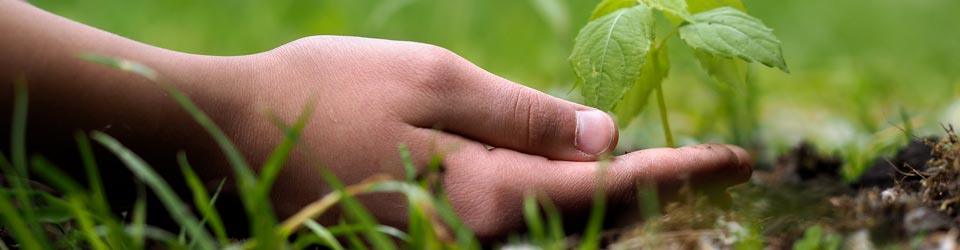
(618, 60)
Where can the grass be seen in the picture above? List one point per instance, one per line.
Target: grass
(433, 224)
(848, 76)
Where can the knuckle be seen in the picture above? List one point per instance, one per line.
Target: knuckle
(723, 152)
(535, 118)
(303, 44)
(436, 69)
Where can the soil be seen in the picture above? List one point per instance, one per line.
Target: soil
(909, 201)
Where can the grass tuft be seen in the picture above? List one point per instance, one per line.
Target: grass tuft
(143, 171)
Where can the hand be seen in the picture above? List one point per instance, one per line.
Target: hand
(376, 94)
(371, 95)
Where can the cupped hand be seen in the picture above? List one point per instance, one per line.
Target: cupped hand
(373, 95)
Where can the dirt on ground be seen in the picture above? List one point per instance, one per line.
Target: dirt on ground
(909, 201)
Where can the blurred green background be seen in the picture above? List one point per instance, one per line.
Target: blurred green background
(857, 65)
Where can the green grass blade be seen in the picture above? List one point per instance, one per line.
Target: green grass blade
(101, 211)
(649, 199)
(239, 163)
(422, 210)
(122, 64)
(419, 223)
(354, 210)
(85, 223)
(465, 238)
(408, 166)
(306, 240)
(245, 176)
(139, 217)
(53, 215)
(17, 226)
(392, 231)
(591, 237)
(276, 160)
(203, 202)
(55, 177)
(554, 223)
(97, 195)
(18, 130)
(344, 229)
(324, 234)
(353, 239)
(258, 211)
(175, 206)
(418, 226)
(907, 125)
(531, 214)
(148, 232)
(90, 167)
(18, 176)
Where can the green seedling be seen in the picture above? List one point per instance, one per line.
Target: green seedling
(618, 60)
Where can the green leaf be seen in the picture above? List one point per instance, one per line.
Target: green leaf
(609, 54)
(725, 70)
(730, 33)
(672, 7)
(697, 6)
(652, 74)
(609, 6)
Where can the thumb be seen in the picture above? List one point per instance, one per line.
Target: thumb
(492, 110)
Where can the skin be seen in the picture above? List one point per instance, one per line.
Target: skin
(370, 96)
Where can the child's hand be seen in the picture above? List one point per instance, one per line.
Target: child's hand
(371, 96)
(376, 94)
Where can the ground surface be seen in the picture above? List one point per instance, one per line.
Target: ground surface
(908, 201)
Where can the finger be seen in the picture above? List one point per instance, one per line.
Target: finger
(486, 185)
(572, 184)
(492, 110)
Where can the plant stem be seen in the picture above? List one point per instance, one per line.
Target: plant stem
(664, 119)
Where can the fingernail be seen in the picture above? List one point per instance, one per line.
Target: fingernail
(595, 131)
